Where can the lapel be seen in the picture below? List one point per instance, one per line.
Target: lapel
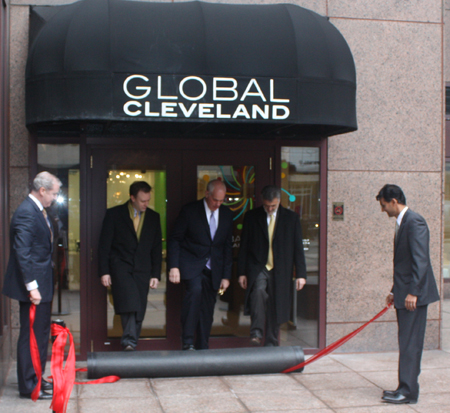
(203, 218)
(278, 221)
(41, 218)
(400, 230)
(262, 220)
(125, 216)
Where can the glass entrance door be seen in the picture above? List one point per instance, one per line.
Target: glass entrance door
(177, 177)
(118, 182)
(112, 173)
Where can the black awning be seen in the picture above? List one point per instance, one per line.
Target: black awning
(277, 67)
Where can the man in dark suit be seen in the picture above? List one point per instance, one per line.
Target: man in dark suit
(130, 255)
(414, 288)
(200, 254)
(29, 277)
(271, 245)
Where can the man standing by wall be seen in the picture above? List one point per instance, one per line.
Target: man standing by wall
(200, 254)
(271, 244)
(29, 277)
(130, 255)
(414, 288)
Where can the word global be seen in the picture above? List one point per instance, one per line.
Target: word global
(228, 101)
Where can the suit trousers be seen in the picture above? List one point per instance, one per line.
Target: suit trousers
(131, 329)
(197, 313)
(411, 335)
(26, 375)
(263, 310)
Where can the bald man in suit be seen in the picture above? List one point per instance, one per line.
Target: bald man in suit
(200, 256)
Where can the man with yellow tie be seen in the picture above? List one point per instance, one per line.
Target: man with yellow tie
(130, 255)
(271, 245)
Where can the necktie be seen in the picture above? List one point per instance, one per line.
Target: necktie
(136, 221)
(212, 230)
(269, 264)
(44, 212)
(212, 225)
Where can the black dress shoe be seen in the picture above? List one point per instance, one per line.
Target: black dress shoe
(128, 348)
(45, 385)
(188, 347)
(42, 395)
(398, 398)
(255, 341)
(389, 392)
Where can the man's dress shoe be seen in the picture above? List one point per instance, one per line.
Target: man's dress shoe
(389, 392)
(256, 341)
(398, 398)
(128, 348)
(188, 347)
(42, 395)
(45, 385)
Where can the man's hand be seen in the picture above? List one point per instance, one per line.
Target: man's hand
(174, 275)
(224, 284)
(106, 280)
(243, 281)
(35, 296)
(390, 299)
(154, 283)
(411, 302)
(300, 283)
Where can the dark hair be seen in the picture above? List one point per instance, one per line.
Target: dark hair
(390, 192)
(270, 192)
(138, 186)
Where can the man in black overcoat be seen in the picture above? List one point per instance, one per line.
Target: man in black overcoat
(414, 288)
(200, 255)
(29, 277)
(266, 266)
(130, 255)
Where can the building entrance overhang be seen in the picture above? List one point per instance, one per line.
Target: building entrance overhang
(188, 67)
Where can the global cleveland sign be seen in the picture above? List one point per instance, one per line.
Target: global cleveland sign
(203, 98)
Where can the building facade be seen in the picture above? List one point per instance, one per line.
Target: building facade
(329, 176)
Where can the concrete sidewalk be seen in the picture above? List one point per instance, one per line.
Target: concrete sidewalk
(336, 383)
(345, 383)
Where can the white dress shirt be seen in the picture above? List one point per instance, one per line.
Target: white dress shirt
(400, 216)
(274, 217)
(209, 212)
(33, 285)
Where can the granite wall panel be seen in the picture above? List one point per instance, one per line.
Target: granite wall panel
(399, 98)
(411, 10)
(18, 57)
(360, 248)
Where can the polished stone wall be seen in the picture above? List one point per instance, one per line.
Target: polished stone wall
(398, 50)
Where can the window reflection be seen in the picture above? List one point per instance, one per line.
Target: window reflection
(301, 193)
(229, 319)
(64, 162)
(446, 261)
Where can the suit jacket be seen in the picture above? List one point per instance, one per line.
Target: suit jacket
(190, 245)
(131, 263)
(30, 254)
(412, 267)
(287, 252)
